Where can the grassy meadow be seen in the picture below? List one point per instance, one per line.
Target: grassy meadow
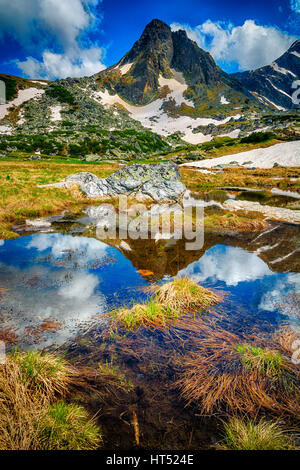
(21, 198)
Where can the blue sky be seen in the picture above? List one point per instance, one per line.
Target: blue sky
(59, 38)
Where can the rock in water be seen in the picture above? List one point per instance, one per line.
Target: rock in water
(159, 182)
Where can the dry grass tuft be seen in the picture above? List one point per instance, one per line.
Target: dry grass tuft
(227, 375)
(20, 411)
(29, 384)
(185, 295)
(170, 302)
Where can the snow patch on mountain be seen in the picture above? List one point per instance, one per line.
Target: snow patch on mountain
(125, 68)
(21, 120)
(278, 89)
(6, 130)
(278, 69)
(233, 134)
(265, 100)
(285, 154)
(56, 113)
(177, 86)
(39, 82)
(153, 115)
(23, 96)
(223, 100)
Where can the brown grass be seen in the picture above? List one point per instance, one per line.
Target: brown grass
(30, 417)
(185, 295)
(217, 377)
(19, 411)
(240, 177)
(238, 221)
(20, 198)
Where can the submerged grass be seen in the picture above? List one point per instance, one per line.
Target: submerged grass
(109, 370)
(29, 385)
(227, 375)
(242, 434)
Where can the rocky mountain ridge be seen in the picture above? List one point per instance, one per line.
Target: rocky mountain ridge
(164, 92)
(274, 83)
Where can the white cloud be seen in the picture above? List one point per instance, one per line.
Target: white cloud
(76, 63)
(53, 28)
(82, 287)
(250, 46)
(92, 249)
(228, 264)
(277, 297)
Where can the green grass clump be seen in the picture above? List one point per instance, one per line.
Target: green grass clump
(171, 300)
(46, 374)
(251, 435)
(257, 137)
(151, 313)
(269, 363)
(68, 427)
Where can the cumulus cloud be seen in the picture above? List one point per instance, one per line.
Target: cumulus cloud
(249, 46)
(74, 63)
(231, 265)
(57, 30)
(91, 248)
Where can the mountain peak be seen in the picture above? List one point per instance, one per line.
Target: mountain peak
(157, 24)
(155, 40)
(159, 55)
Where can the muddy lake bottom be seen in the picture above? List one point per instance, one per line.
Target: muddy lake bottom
(58, 284)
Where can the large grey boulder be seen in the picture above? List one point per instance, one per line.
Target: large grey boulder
(163, 190)
(159, 182)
